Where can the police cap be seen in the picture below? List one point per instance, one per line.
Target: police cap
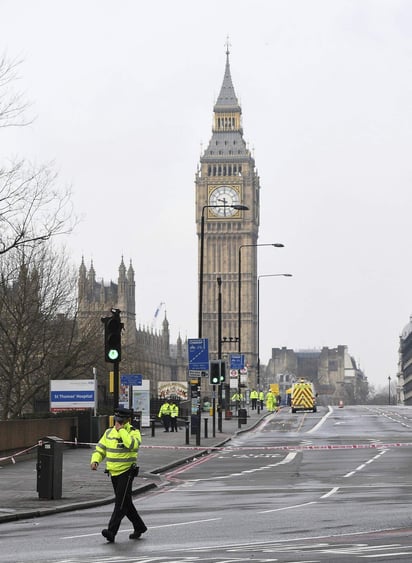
(122, 414)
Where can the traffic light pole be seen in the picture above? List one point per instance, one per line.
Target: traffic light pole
(214, 411)
(113, 348)
(115, 385)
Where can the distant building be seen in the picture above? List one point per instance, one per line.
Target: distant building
(404, 383)
(333, 372)
(144, 350)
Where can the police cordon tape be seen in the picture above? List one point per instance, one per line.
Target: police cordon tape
(13, 456)
(225, 448)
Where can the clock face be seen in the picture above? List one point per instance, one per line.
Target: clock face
(224, 197)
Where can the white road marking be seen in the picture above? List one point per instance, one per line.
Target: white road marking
(175, 524)
(363, 465)
(287, 507)
(331, 492)
(321, 421)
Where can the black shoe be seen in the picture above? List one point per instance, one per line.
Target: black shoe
(135, 535)
(108, 535)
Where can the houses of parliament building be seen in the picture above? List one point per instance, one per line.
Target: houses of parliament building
(145, 351)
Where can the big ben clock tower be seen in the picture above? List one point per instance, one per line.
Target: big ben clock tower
(226, 184)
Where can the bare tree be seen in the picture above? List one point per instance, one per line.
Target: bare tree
(39, 337)
(32, 208)
(12, 104)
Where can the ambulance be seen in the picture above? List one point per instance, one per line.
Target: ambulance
(303, 397)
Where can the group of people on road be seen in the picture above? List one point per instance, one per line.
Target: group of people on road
(168, 414)
(257, 397)
(270, 400)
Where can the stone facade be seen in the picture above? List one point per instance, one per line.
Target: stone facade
(144, 350)
(333, 372)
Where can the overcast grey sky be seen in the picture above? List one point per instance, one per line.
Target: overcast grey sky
(124, 92)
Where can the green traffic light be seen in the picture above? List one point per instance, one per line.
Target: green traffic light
(113, 354)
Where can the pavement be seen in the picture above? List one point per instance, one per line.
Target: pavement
(83, 488)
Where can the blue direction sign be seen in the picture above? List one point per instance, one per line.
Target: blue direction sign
(198, 354)
(131, 379)
(237, 361)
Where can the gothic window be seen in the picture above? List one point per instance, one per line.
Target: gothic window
(209, 170)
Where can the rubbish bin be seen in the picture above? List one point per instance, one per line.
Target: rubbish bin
(50, 467)
(242, 415)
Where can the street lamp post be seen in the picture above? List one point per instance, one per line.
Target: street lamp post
(239, 306)
(258, 320)
(389, 390)
(200, 314)
(219, 357)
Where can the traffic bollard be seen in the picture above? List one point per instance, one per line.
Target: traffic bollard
(187, 430)
(206, 420)
(153, 427)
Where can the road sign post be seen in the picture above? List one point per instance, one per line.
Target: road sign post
(198, 349)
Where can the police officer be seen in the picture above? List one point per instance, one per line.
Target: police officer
(164, 415)
(237, 397)
(261, 399)
(120, 445)
(174, 413)
(254, 398)
(270, 401)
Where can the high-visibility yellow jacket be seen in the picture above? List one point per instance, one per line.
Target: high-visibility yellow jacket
(270, 401)
(164, 409)
(254, 394)
(174, 411)
(261, 395)
(237, 397)
(119, 448)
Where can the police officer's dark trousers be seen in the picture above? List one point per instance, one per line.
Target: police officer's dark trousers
(123, 506)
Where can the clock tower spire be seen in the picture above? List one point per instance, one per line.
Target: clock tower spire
(226, 179)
